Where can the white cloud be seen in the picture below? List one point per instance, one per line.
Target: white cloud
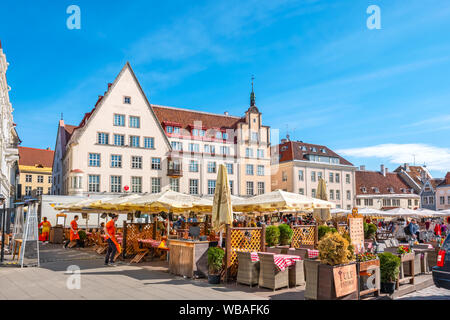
(435, 158)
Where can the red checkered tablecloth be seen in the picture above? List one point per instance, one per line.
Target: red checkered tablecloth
(282, 261)
(153, 243)
(313, 253)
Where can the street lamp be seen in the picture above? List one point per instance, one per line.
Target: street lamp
(3, 201)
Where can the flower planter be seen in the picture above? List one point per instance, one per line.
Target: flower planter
(365, 270)
(213, 278)
(326, 289)
(410, 259)
(388, 287)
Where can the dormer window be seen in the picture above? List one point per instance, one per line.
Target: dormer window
(313, 149)
(391, 190)
(363, 189)
(169, 129)
(376, 190)
(127, 100)
(303, 148)
(218, 135)
(323, 150)
(412, 190)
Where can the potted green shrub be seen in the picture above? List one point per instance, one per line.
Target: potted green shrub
(285, 234)
(323, 230)
(389, 269)
(272, 235)
(370, 230)
(215, 264)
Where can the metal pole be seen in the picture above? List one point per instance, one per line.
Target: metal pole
(3, 231)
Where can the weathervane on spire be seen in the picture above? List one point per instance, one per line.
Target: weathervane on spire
(252, 95)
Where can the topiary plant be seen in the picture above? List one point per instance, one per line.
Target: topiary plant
(323, 230)
(334, 249)
(389, 267)
(285, 234)
(215, 260)
(272, 235)
(370, 230)
(82, 234)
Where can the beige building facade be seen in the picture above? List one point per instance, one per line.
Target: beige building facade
(297, 167)
(125, 144)
(35, 171)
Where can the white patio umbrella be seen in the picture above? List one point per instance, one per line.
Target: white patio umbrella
(371, 212)
(426, 212)
(403, 212)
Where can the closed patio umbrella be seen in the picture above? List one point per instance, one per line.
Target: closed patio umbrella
(322, 215)
(222, 212)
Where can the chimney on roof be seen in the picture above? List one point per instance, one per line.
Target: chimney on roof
(283, 141)
(226, 113)
(288, 137)
(383, 172)
(406, 165)
(386, 170)
(362, 168)
(109, 85)
(447, 178)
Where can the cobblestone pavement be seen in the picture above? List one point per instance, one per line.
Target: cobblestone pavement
(147, 281)
(430, 293)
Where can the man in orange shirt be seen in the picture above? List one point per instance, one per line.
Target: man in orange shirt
(113, 245)
(74, 233)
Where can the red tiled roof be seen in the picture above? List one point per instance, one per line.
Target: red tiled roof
(415, 172)
(291, 150)
(446, 181)
(371, 179)
(34, 157)
(187, 117)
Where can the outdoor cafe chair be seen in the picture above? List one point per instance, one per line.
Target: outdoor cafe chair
(269, 275)
(140, 252)
(248, 270)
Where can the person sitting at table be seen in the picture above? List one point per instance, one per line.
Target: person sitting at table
(113, 245)
(45, 232)
(102, 228)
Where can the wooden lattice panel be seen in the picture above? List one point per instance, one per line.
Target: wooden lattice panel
(303, 235)
(243, 240)
(137, 231)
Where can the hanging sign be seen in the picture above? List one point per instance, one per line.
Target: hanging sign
(345, 280)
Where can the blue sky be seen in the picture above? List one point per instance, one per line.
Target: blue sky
(375, 96)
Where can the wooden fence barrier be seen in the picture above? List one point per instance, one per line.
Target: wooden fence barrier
(305, 235)
(242, 239)
(135, 231)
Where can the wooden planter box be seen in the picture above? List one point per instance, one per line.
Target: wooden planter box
(363, 267)
(406, 258)
(326, 289)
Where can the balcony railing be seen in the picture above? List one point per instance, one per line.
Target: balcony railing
(175, 171)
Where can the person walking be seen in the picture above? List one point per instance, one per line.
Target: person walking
(113, 245)
(413, 230)
(74, 236)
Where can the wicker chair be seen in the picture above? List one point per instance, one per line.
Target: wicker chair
(248, 271)
(303, 253)
(297, 274)
(284, 249)
(274, 250)
(312, 274)
(269, 275)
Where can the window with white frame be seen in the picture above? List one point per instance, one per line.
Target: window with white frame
(211, 186)
(300, 175)
(231, 184)
(127, 100)
(331, 177)
(319, 175)
(49, 179)
(331, 194)
(119, 120)
(116, 184)
(211, 167)
(301, 191)
(313, 176)
(337, 178)
(210, 149)
(229, 168)
(338, 194)
(102, 138)
(261, 188)
(284, 176)
(39, 191)
(174, 184)
(249, 169)
(156, 185)
(347, 178)
(349, 195)
(40, 179)
(135, 122)
(156, 163)
(134, 141)
(194, 147)
(176, 145)
(94, 183)
(254, 136)
(169, 129)
(28, 178)
(225, 150)
(116, 161)
(250, 188)
(193, 186)
(193, 166)
(176, 129)
(136, 162)
(260, 170)
(249, 152)
(149, 142)
(28, 190)
(313, 193)
(260, 153)
(119, 140)
(136, 184)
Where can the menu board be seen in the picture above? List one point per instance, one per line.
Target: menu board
(356, 226)
(345, 280)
